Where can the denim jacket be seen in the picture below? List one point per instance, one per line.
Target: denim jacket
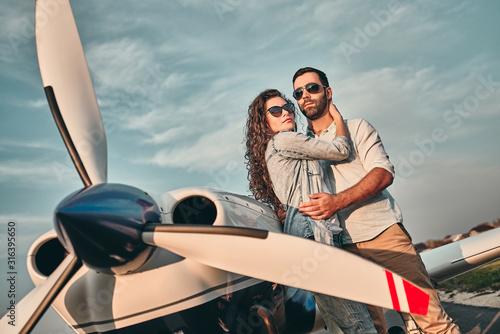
(292, 162)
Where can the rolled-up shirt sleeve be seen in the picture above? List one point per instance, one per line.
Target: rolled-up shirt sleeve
(370, 149)
(295, 145)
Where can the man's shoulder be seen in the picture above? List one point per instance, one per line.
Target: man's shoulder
(355, 121)
(359, 124)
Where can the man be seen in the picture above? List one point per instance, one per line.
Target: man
(370, 217)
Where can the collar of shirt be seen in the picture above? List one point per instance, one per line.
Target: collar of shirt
(331, 128)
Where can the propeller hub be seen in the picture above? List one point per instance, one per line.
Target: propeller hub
(103, 225)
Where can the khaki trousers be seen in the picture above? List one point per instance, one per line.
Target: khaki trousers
(394, 250)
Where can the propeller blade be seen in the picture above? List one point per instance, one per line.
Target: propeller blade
(69, 89)
(33, 306)
(290, 261)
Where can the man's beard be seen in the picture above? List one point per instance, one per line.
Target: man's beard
(316, 111)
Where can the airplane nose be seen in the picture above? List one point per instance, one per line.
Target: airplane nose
(103, 224)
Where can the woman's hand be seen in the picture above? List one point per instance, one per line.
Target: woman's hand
(335, 113)
(339, 121)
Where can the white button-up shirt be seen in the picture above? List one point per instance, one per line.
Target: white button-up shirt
(365, 220)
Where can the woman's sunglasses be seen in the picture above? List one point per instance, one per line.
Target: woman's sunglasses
(312, 88)
(276, 111)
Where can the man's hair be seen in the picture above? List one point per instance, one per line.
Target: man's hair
(321, 74)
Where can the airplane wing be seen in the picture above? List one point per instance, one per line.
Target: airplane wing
(458, 257)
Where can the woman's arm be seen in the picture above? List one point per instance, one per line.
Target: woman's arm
(294, 145)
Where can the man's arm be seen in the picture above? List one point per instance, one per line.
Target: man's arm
(323, 205)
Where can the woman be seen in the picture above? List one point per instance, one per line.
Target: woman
(283, 169)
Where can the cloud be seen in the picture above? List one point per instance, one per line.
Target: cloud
(37, 174)
(210, 152)
(9, 144)
(119, 64)
(37, 104)
(17, 31)
(407, 101)
(25, 218)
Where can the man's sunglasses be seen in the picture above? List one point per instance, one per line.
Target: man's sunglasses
(276, 111)
(312, 88)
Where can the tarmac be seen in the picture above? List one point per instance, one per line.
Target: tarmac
(484, 298)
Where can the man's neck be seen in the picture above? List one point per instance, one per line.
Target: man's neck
(319, 125)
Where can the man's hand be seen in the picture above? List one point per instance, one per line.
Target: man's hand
(322, 206)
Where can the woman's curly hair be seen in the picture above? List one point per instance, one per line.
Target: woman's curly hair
(258, 134)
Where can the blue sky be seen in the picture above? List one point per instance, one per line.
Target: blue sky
(174, 80)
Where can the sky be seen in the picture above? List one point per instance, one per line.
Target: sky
(174, 80)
